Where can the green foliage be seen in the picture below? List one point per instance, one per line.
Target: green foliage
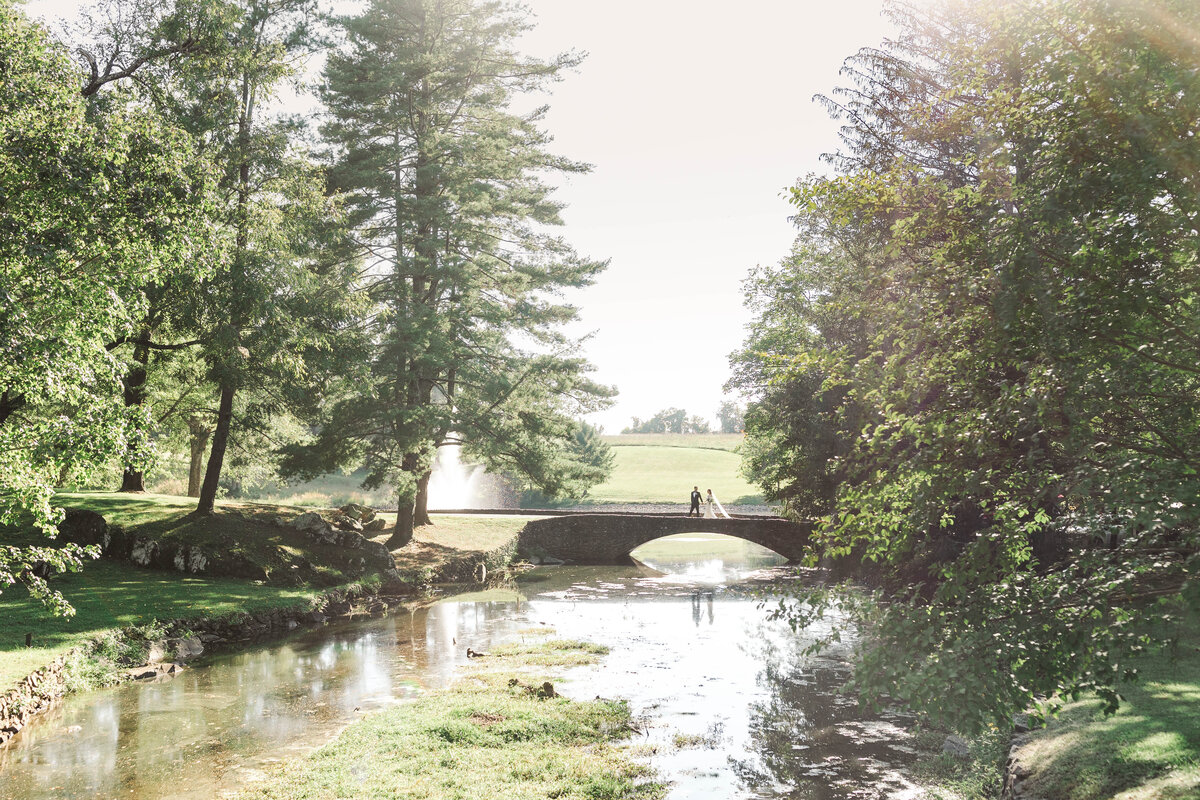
(594, 451)
(97, 203)
(732, 417)
(978, 364)
(83, 671)
(592, 463)
(979, 776)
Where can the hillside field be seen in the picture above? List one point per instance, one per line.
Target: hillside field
(663, 468)
(650, 468)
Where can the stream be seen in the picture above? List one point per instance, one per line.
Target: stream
(728, 704)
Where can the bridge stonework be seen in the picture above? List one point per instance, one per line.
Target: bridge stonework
(609, 538)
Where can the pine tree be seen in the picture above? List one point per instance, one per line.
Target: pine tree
(443, 180)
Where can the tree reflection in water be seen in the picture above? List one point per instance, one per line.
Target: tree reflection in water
(699, 597)
(809, 741)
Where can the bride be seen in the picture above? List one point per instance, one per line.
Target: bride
(714, 509)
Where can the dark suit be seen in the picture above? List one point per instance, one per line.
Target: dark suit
(695, 503)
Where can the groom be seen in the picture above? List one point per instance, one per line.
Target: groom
(695, 501)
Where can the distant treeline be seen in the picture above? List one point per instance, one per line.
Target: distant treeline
(676, 420)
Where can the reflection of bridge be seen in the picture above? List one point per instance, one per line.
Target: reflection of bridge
(609, 538)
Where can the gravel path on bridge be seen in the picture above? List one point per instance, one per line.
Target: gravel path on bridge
(667, 508)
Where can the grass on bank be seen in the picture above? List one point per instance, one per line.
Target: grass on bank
(653, 473)
(108, 595)
(1148, 750)
(492, 735)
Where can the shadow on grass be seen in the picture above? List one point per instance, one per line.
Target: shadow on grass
(1152, 742)
(417, 554)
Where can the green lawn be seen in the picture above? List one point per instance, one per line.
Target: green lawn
(469, 533)
(654, 473)
(109, 595)
(1148, 750)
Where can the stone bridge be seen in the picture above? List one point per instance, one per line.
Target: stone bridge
(609, 538)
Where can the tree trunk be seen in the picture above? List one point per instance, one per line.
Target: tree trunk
(220, 439)
(199, 440)
(402, 534)
(421, 507)
(237, 280)
(9, 404)
(133, 480)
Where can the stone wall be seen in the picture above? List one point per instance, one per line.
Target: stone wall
(31, 697)
(609, 538)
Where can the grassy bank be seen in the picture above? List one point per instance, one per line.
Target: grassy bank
(449, 549)
(498, 733)
(245, 530)
(109, 596)
(1148, 750)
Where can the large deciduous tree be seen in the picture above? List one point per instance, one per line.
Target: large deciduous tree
(979, 364)
(96, 203)
(444, 181)
(281, 293)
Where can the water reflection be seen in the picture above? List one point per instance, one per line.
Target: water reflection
(697, 597)
(807, 740)
(759, 719)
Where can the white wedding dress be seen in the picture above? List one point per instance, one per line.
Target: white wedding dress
(713, 508)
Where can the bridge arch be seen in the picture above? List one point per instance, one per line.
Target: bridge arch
(610, 538)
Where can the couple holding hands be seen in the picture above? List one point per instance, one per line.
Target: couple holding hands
(712, 508)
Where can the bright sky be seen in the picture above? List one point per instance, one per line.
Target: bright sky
(697, 115)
